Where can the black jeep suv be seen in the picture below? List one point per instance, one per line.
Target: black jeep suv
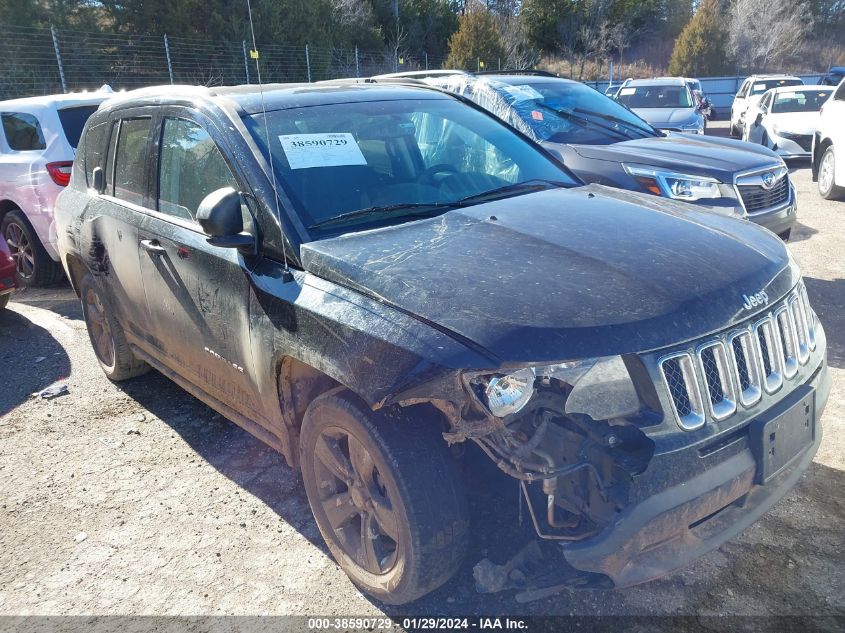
(363, 275)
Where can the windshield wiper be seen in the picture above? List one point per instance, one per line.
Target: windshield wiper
(534, 183)
(615, 119)
(413, 208)
(426, 208)
(584, 122)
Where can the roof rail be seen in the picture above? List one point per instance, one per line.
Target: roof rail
(522, 71)
(420, 74)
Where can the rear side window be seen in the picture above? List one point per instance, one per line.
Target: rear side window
(73, 120)
(130, 159)
(93, 150)
(23, 132)
(190, 168)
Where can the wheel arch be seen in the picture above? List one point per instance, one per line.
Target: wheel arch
(818, 151)
(7, 205)
(76, 270)
(298, 384)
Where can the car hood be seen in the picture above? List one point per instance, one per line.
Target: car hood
(564, 274)
(685, 153)
(666, 117)
(795, 122)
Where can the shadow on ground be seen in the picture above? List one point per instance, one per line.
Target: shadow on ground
(828, 300)
(801, 232)
(44, 362)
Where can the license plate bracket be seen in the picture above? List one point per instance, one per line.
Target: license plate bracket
(778, 437)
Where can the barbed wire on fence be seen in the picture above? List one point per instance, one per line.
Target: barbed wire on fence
(38, 61)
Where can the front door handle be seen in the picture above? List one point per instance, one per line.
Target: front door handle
(153, 246)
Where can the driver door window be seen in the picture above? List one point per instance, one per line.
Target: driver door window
(190, 167)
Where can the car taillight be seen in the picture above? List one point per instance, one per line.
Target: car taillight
(60, 172)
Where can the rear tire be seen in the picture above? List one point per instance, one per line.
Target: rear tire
(826, 179)
(113, 353)
(399, 517)
(734, 132)
(34, 267)
(785, 235)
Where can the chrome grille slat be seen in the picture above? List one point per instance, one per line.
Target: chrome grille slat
(746, 367)
(679, 375)
(771, 355)
(788, 340)
(737, 367)
(713, 360)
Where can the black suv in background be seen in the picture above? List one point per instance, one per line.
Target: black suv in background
(603, 142)
(362, 275)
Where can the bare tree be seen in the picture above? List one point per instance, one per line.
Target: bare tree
(765, 33)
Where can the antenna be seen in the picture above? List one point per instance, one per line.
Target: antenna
(286, 274)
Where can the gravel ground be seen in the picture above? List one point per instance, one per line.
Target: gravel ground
(137, 499)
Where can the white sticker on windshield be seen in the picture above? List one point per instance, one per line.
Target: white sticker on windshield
(522, 93)
(627, 91)
(321, 150)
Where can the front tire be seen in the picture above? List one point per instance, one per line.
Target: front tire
(4, 300)
(827, 171)
(386, 494)
(116, 358)
(33, 266)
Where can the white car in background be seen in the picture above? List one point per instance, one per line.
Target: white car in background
(750, 92)
(829, 147)
(38, 139)
(786, 118)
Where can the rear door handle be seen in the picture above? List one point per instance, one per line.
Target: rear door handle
(153, 246)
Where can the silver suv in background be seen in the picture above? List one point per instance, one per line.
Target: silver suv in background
(37, 147)
(667, 103)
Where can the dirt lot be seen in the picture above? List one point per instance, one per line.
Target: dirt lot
(137, 499)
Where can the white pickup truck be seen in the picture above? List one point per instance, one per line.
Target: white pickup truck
(829, 147)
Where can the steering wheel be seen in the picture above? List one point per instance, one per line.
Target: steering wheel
(428, 176)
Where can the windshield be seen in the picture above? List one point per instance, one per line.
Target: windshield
(563, 112)
(396, 160)
(800, 101)
(657, 96)
(759, 87)
(73, 120)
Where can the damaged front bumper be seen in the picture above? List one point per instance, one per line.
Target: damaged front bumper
(744, 474)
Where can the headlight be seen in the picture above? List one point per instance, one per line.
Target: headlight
(507, 393)
(672, 185)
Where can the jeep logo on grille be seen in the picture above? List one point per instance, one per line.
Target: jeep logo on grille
(768, 180)
(755, 301)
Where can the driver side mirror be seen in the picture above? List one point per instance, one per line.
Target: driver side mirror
(220, 217)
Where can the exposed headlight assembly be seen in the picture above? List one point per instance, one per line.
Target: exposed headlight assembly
(601, 387)
(673, 185)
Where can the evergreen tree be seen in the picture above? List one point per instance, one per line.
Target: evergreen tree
(702, 47)
(478, 40)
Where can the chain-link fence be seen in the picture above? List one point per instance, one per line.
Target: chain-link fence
(37, 61)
